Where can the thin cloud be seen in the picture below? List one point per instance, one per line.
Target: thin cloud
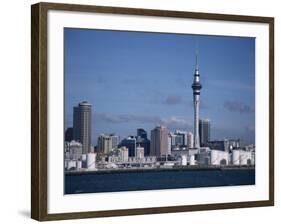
(117, 119)
(176, 123)
(173, 100)
(171, 122)
(234, 106)
(250, 128)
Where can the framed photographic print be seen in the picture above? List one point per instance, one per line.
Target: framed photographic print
(141, 111)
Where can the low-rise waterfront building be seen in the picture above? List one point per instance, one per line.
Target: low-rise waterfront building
(91, 161)
(140, 153)
(73, 150)
(242, 157)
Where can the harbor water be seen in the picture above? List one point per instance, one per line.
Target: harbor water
(156, 180)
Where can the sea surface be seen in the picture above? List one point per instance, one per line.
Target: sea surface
(134, 181)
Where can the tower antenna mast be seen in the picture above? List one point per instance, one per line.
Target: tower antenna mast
(197, 53)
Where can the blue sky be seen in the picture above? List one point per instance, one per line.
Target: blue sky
(138, 79)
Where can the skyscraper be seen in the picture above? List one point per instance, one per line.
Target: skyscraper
(68, 135)
(143, 141)
(190, 139)
(171, 140)
(124, 154)
(115, 140)
(204, 131)
(82, 118)
(159, 142)
(196, 86)
(141, 133)
(104, 144)
(130, 143)
(181, 138)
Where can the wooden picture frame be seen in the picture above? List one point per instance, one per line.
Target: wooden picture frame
(39, 109)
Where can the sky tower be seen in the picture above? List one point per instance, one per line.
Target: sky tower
(196, 86)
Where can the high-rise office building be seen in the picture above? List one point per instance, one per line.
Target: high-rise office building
(204, 131)
(172, 140)
(82, 118)
(124, 154)
(159, 142)
(143, 141)
(181, 138)
(141, 133)
(104, 144)
(196, 86)
(130, 143)
(189, 138)
(68, 136)
(115, 140)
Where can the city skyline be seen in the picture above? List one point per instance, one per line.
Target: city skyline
(153, 87)
(204, 134)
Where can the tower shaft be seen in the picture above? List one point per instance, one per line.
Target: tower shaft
(196, 86)
(196, 103)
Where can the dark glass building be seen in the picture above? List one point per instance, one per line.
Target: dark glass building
(141, 133)
(204, 131)
(143, 141)
(131, 144)
(68, 135)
